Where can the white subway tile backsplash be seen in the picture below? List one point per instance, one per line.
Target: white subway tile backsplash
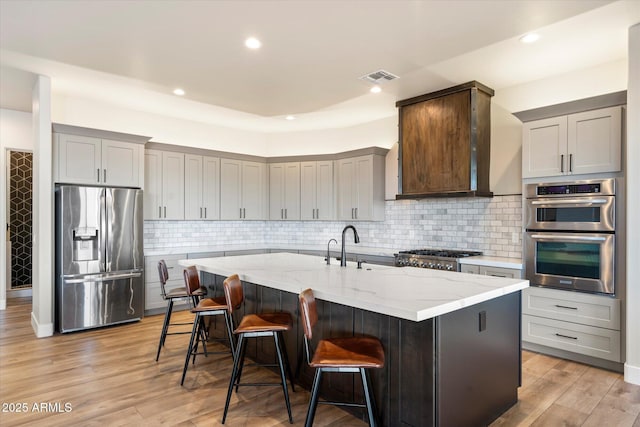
(480, 224)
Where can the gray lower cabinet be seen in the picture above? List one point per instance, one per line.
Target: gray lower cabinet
(576, 322)
(153, 294)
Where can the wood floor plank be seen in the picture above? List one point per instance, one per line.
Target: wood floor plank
(109, 376)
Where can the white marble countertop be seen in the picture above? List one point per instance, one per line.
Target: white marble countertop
(351, 249)
(408, 293)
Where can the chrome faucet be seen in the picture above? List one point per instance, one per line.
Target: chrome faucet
(328, 254)
(356, 239)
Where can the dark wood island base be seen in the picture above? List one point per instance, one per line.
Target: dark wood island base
(462, 368)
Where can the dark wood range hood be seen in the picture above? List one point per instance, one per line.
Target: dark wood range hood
(444, 143)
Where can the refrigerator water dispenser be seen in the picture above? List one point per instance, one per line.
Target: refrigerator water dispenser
(85, 244)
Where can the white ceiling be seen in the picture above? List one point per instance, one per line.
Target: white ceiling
(136, 52)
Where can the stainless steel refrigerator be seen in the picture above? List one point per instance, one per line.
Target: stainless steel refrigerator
(99, 259)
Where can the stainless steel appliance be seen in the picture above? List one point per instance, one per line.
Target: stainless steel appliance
(437, 259)
(99, 259)
(569, 241)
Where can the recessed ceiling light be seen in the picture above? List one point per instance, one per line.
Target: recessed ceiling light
(290, 118)
(252, 43)
(375, 89)
(178, 92)
(529, 38)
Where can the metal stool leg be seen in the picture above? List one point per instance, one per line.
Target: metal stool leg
(194, 334)
(283, 377)
(165, 327)
(233, 375)
(313, 402)
(243, 351)
(227, 321)
(367, 396)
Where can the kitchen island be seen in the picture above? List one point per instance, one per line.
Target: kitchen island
(452, 340)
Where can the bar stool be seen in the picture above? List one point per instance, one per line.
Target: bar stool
(349, 354)
(205, 307)
(253, 326)
(170, 297)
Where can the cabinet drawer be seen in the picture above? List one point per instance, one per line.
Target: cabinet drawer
(587, 340)
(175, 270)
(470, 269)
(500, 272)
(153, 296)
(591, 310)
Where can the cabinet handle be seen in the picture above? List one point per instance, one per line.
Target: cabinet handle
(562, 163)
(104, 174)
(318, 213)
(159, 211)
(285, 213)
(98, 170)
(570, 162)
(281, 213)
(205, 212)
(351, 213)
(165, 211)
(240, 213)
(200, 213)
(566, 306)
(566, 336)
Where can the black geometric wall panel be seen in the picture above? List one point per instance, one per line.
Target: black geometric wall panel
(20, 207)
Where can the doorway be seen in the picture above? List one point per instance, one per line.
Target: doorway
(19, 227)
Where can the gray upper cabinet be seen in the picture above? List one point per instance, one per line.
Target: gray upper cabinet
(284, 191)
(361, 188)
(243, 189)
(93, 161)
(316, 190)
(202, 187)
(164, 185)
(581, 143)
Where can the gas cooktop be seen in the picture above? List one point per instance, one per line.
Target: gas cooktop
(437, 259)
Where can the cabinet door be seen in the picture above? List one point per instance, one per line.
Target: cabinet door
(308, 197)
(324, 190)
(79, 160)
(544, 147)
(595, 141)
(292, 191)
(254, 190)
(211, 187)
(346, 188)
(152, 184)
(471, 269)
(172, 185)
(121, 163)
(230, 190)
(193, 208)
(364, 188)
(276, 190)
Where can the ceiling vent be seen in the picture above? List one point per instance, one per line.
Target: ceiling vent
(379, 76)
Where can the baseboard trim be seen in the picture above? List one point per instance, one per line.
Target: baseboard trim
(19, 293)
(42, 331)
(632, 374)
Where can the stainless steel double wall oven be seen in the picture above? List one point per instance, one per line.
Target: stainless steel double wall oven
(570, 235)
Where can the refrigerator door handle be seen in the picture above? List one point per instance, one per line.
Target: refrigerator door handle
(103, 278)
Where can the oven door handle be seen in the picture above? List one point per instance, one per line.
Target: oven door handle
(583, 202)
(565, 237)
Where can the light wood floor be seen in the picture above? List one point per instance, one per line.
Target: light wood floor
(109, 377)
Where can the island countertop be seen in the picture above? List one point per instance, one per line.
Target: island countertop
(408, 293)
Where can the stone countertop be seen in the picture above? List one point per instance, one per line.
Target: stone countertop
(350, 248)
(409, 293)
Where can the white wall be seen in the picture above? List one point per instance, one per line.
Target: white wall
(15, 134)
(632, 365)
(43, 280)
(95, 114)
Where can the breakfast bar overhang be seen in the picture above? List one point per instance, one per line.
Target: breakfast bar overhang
(452, 340)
